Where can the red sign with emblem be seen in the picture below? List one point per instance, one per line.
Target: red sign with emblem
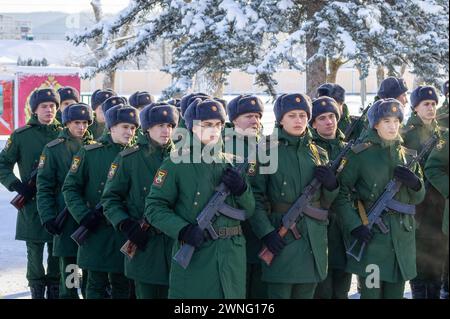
(6, 107)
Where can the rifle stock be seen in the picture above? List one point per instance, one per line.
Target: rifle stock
(129, 248)
(61, 218)
(348, 132)
(19, 200)
(81, 233)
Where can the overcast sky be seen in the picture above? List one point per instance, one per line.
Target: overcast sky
(69, 6)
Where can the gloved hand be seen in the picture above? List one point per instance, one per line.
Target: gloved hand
(134, 233)
(234, 181)
(51, 227)
(407, 177)
(192, 235)
(362, 233)
(274, 242)
(326, 177)
(92, 220)
(23, 189)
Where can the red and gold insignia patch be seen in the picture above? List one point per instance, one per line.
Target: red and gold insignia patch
(41, 161)
(159, 178)
(112, 170)
(75, 164)
(251, 169)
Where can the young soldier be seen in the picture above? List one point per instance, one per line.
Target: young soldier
(181, 189)
(24, 147)
(185, 101)
(442, 112)
(244, 113)
(67, 95)
(430, 242)
(298, 264)
(124, 198)
(393, 88)
(82, 190)
(436, 171)
(370, 166)
(54, 164)
(337, 92)
(324, 119)
(98, 97)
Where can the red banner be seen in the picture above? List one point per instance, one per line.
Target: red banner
(6, 107)
(27, 83)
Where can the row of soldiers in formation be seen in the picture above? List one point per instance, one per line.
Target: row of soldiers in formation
(114, 173)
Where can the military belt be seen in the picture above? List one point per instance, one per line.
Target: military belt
(311, 210)
(227, 232)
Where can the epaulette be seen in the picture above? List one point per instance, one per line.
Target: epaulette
(129, 151)
(409, 151)
(23, 128)
(407, 129)
(55, 142)
(93, 146)
(358, 148)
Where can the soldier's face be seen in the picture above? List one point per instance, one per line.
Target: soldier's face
(426, 110)
(403, 99)
(123, 133)
(248, 124)
(99, 116)
(66, 103)
(387, 128)
(326, 125)
(207, 131)
(46, 112)
(77, 128)
(161, 133)
(295, 122)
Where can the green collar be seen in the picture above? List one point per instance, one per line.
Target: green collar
(374, 138)
(297, 141)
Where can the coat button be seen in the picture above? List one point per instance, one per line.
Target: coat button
(282, 194)
(375, 185)
(102, 183)
(401, 222)
(198, 193)
(145, 188)
(195, 203)
(284, 183)
(99, 191)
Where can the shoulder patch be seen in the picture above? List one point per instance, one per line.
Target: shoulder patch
(93, 146)
(407, 129)
(55, 142)
(75, 164)
(23, 128)
(129, 151)
(8, 144)
(251, 171)
(112, 170)
(440, 145)
(159, 178)
(41, 161)
(358, 148)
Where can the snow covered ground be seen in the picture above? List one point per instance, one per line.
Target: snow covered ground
(13, 284)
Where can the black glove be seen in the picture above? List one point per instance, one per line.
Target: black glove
(51, 227)
(23, 189)
(362, 233)
(134, 233)
(408, 178)
(192, 235)
(234, 181)
(326, 177)
(92, 220)
(274, 242)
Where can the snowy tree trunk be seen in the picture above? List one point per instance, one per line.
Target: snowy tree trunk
(333, 67)
(380, 75)
(212, 84)
(316, 71)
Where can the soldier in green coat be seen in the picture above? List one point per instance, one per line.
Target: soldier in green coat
(181, 188)
(298, 264)
(54, 165)
(124, 199)
(67, 95)
(23, 148)
(436, 171)
(442, 112)
(430, 241)
(245, 112)
(97, 128)
(326, 134)
(337, 92)
(82, 190)
(389, 258)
